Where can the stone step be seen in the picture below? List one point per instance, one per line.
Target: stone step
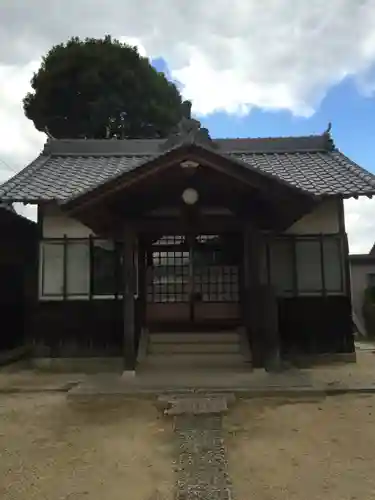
(197, 406)
(203, 348)
(194, 337)
(165, 401)
(194, 360)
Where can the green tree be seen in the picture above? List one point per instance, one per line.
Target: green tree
(97, 88)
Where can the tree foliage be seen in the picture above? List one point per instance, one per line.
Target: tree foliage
(97, 88)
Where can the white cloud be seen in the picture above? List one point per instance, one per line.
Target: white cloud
(19, 141)
(230, 56)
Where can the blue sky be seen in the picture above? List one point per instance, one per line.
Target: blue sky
(351, 113)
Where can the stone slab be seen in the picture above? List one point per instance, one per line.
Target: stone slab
(166, 400)
(197, 406)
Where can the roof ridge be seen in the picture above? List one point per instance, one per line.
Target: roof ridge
(277, 137)
(146, 147)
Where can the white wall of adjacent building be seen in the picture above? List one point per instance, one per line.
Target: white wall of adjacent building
(362, 275)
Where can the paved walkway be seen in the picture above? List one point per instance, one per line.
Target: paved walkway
(202, 467)
(202, 462)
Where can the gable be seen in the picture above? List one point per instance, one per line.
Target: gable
(178, 159)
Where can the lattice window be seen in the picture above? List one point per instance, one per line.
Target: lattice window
(168, 277)
(206, 270)
(217, 283)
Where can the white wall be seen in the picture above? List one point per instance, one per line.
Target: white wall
(324, 219)
(56, 224)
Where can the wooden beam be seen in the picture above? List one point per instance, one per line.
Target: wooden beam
(65, 266)
(295, 271)
(91, 267)
(174, 225)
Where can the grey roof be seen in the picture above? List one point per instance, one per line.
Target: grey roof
(66, 168)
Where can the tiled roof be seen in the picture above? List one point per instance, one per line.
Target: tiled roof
(67, 168)
(319, 173)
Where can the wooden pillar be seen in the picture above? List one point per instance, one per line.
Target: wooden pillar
(142, 286)
(261, 308)
(129, 301)
(345, 266)
(251, 266)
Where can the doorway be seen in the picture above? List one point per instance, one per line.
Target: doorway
(193, 281)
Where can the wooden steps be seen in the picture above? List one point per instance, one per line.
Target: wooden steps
(195, 350)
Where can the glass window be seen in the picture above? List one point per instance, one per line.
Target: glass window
(309, 270)
(104, 268)
(77, 268)
(332, 265)
(281, 265)
(52, 268)
(168, 276)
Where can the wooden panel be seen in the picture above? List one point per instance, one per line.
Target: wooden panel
(167, 313)
(316, 325)
(77, 328)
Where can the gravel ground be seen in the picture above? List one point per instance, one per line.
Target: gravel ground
(310, 450)
(360, 373)
(51, 449)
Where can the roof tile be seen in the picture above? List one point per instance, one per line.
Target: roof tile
(67, 168)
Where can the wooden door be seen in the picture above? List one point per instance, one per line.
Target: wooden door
(190, 284)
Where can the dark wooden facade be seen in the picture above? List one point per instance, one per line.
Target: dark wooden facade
(18, 276)
(246, 213)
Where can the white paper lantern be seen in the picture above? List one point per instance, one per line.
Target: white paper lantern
(190, 196)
